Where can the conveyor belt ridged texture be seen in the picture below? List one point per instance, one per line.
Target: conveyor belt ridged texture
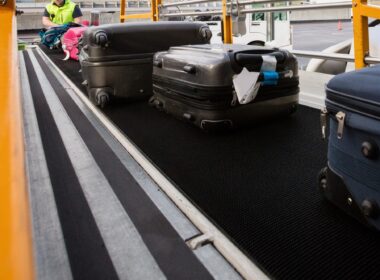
(259, 185)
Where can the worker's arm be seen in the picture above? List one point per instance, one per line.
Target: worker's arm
(77, 20)
(47, 22)
(77, 15)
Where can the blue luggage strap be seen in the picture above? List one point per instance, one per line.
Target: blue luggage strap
(270, 78)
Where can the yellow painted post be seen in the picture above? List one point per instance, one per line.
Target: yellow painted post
(137, 16)
(227, 24)
(156, 9)
(122, 10)
(361, 36)
(16, 261)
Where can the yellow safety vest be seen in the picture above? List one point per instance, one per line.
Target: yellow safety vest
(61, 15)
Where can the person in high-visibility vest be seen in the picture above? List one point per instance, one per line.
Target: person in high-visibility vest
(60, 12)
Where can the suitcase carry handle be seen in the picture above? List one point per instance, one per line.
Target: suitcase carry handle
(251, 58)
(189, 69)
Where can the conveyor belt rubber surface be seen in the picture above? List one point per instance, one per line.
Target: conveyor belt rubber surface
(259, 185)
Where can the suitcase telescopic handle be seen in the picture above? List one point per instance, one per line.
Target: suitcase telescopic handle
(252, 58)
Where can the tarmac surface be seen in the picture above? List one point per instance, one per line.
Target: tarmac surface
(318, 36)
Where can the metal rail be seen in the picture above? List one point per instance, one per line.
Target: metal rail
(334, 56)
(298, 8)
(361, 12)
(153, 14)
(219, 12)
(269, 9)
(192, 2)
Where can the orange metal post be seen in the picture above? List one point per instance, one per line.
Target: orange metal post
(227, 24)
(136, 16)
(16, 260)
(155, 6)
(361, 37)
(122, 10)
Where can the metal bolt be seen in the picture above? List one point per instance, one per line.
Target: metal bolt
(324, 183)
(3, 2)
(349, 201)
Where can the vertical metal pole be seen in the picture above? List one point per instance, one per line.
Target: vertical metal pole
(122, 10)
(156, 9)
(270, 24)
(361, 34)
(227, 24)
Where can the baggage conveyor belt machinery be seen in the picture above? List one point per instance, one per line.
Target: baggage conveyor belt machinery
(258, 186)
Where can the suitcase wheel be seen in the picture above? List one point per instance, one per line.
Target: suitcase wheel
(369, 208)
(156, 103)
(102, 99)
(294, 108)
(322, 180)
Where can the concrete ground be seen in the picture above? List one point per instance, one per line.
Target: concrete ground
(319, 36)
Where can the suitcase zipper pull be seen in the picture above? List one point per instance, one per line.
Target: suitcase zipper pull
(323, 122)
(340, 116)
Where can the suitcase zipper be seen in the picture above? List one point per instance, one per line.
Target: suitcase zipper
(340, 116)
(360, 106)
(323, 119)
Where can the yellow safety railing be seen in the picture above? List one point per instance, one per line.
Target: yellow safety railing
(154, 15)
(151, 15)
(16, 260)
(361, 12)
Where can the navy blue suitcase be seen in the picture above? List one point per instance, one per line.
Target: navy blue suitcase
(352, 178)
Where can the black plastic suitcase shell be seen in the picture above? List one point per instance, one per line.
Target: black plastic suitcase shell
(220, 116)
(204, 95)
(116, 59)
(214, 64)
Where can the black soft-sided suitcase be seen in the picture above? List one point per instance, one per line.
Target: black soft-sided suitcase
(116, 59)
(352, 178)
(195, 83)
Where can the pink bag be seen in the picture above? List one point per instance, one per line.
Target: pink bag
(70, 42)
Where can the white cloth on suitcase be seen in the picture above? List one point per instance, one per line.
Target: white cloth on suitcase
(246, 86)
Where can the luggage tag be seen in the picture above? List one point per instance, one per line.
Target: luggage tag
(246, 85)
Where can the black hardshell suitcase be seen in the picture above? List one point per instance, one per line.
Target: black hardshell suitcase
(352, 178)
(195, 83)
(116, 59)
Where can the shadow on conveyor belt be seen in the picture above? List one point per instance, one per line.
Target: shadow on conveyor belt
(259, 185)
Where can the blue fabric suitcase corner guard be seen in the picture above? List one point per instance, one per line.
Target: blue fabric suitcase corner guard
(352, 179)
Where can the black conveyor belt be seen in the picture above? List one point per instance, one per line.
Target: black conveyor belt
(259, 185)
